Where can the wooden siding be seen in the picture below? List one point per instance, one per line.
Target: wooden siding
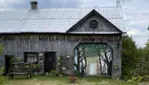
(63, 45)
(103, 26)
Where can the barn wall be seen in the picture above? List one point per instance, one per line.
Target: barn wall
(63, 45)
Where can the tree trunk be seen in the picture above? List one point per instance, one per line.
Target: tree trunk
(109, 68)
(78, 59)
(100, 64)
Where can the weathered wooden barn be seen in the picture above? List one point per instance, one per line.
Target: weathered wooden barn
(45, 35)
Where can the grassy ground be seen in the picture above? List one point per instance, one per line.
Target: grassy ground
(47, 80)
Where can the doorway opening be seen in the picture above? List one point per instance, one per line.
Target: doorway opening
(7, 63)
(93, 59)
(50, 61)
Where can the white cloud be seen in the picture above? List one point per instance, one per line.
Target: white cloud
(136, 13)
(136, 16)
(140, 37)
(137, 20)
(134, 32)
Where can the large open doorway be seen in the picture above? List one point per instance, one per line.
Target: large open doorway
(7, 63)
(93, 59)
(50, 61)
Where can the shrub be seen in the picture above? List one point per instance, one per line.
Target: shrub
(1, 80)
(72, 79)
(1, 77)
(53, 72)
(129, 57)
(15, 60)
(2, 70)
(139, 79)
(77, 73)
(143, 67)
(60, 74)
(37, 67)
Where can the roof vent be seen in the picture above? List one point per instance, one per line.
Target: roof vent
(34, 4)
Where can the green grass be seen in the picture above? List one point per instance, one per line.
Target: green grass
(53, 80)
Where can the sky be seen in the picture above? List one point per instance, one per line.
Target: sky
(135, 12)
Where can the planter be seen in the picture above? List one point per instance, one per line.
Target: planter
(60, 75)
(73, 79)
(116, 67)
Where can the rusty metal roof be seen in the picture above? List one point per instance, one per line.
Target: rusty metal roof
(53, 20)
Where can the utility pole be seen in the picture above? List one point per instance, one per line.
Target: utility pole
(118, 3)
(64, 4)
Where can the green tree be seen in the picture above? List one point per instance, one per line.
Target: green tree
(129, 57)
(1, 69)
(1, 48)
(143, 65)
(147, 44)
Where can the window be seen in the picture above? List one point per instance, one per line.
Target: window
(31, 57)
(93, 24)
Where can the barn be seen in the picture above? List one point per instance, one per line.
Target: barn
(84, 39)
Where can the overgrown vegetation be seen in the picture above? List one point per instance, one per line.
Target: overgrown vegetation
(129, 57)
(135, 61)
(65, 80)
(2, 68)
(139, 79)
(1, 77)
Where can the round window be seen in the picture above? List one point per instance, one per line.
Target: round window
(93, 24)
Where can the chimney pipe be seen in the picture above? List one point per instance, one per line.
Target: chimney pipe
(34, 4)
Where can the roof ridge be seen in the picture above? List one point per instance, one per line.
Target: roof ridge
(22, 9)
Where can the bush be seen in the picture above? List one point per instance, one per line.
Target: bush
(1, 80)
(141, 72)
(15, 60)
(2, 70)
(142, 68)
(127, 74)
(72, 79)
(60, 74)
(1, 77)
(77, 73)
(53, 72)
(139, 79)
(37, 67)
(129, 57)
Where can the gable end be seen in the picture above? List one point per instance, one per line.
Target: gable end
(93, 13)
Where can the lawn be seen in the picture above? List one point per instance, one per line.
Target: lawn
(49, 80)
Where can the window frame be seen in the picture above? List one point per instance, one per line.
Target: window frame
(26, 56)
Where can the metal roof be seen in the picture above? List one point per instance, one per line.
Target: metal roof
(95, 32)
(53, 20)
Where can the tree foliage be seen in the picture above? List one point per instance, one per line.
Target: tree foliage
(1, 69)
(1, 48)
(129, 57)
(135, 61)
(142, 68)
